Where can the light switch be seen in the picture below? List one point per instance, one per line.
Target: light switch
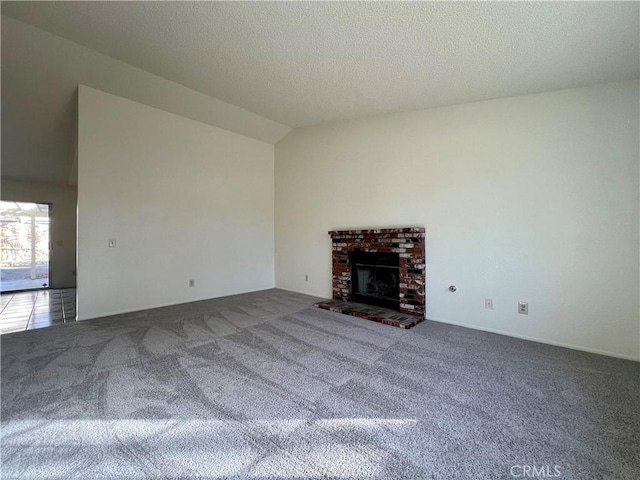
(112, 243)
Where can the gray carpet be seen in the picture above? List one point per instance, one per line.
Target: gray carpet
(263, 386)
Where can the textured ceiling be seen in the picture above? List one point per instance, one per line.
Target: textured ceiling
(303, 63)
(40, 77)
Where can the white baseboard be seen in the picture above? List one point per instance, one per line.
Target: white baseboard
(318, 297)
(439, 320)
(509, 334)
(539, 340)
(140, 309)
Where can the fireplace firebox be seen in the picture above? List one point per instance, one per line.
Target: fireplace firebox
(375, 278)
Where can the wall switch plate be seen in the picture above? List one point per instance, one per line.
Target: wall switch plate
(488, 303)
(523, 308)
(306, 278)
(192, 283)
(112, 243)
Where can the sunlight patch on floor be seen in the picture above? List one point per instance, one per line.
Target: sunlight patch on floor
(219, 448)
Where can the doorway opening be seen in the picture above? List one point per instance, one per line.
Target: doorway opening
(25, 252)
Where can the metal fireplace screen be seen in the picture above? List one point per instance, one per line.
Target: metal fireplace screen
(375, 278)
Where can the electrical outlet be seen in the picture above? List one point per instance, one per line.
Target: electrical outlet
(112, 243)
(306, 278)
(192, 283)
(488, 304)
(523, 308)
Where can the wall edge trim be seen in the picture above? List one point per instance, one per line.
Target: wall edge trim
(539, 340)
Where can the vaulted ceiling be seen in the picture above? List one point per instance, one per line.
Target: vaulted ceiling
(292, 64)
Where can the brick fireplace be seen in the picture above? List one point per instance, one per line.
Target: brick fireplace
(407, 243)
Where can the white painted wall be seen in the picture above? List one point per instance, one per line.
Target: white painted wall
(184, 200)
(63, 223)
(531, 198)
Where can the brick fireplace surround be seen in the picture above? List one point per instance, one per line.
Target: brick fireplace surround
(407, 242)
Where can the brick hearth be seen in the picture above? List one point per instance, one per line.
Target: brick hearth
(376, 314)
(407, 242)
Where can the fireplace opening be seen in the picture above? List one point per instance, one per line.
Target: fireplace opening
(375, 278)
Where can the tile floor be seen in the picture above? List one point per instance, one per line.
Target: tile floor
(36, 309)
